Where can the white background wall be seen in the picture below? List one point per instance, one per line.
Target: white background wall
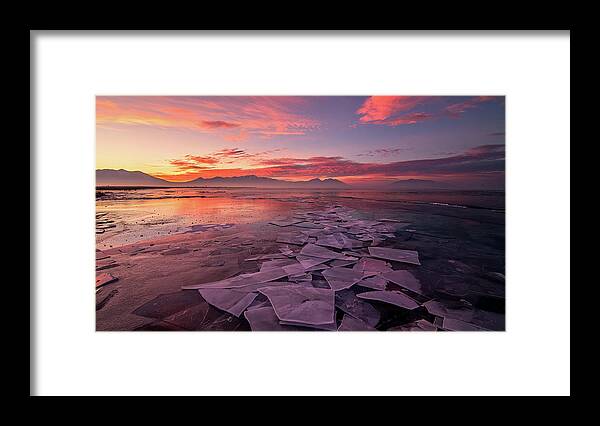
(531, 357)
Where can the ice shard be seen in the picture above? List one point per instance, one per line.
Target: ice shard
(398, 255)
(301, 304)
(396, 298)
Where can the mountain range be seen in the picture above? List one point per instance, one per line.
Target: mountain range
(111, 177)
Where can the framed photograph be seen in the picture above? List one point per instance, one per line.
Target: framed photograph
(253, 204)
(300, 213)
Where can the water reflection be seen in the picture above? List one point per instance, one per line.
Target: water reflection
(141, 219)
(141, 214)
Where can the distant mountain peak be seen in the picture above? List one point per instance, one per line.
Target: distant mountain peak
(122, 177)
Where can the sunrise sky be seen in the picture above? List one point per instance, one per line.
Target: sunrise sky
(360, 140)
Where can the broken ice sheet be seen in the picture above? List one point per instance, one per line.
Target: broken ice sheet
(349, 323)
(396, 298)
(304, 279)
(284, 222)
(286, 250)
(404, 279)
(264, 319)
(228, 300)
(294, 269)
(338, 262)
(331, 241)
(309, 262)
(301, 304)
(355, 253)
(312, 232)
(277, 263)
(104, 278)
(260, 277)
(325, 327)
(260, 301)
(425, 325)
(366, 264)
(350, 243)
(291, 238)
(377, 282)
(243, 280)
(319, 267)
(321, 252)
(398, 255)
(347, 302)
(340, 278)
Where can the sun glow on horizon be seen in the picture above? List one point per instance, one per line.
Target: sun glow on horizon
(357, 140)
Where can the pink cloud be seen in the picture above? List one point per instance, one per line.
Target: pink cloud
(382, 152)
(399, 110)
(411, 118)
(231, 152)
(487, 158)
(282, 133)
(217, 124)
(377, 109)
(195, 163)
(264, 116)
(239, 137)
(457, 109)
(481, 162)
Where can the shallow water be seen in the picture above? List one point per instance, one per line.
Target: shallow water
(140, 214)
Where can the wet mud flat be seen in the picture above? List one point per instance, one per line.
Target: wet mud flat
(325, 264)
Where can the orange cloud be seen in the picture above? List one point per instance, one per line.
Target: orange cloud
(266, 116)
(199, 165)
(479, 161)
(202, 160)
